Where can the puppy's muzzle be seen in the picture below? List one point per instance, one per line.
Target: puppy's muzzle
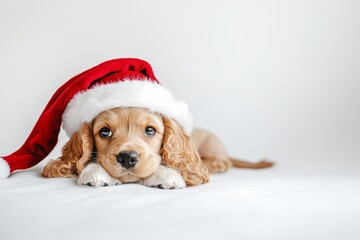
(127, 159)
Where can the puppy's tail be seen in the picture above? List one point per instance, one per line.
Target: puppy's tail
(237, 163)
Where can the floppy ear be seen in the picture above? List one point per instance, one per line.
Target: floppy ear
(75, 155)
(178, 152)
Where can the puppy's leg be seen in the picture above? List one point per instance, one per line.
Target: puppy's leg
(164, 178)
(212, 151)
(216, 165)
(214, 155)
(94, 175)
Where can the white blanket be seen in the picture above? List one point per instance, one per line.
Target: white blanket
(240, 204)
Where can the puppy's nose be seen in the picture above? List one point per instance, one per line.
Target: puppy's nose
(127, 159)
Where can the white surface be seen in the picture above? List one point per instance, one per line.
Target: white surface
(276, 79)
(241, 204)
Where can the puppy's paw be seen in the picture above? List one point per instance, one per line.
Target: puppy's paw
(94, 175)
(165, 178)
(217, 165)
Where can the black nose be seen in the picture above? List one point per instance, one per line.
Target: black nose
(127, 159)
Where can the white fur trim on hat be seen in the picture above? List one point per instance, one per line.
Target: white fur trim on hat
(4, 169)
(85, 106)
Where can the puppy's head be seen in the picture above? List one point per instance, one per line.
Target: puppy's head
(128, 141)
(131, 143)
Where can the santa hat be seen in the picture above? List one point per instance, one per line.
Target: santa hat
(124, 82)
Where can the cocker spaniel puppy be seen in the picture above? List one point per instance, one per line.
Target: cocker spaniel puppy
(135, 145)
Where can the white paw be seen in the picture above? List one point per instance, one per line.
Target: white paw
(165, 178)
(94, 175)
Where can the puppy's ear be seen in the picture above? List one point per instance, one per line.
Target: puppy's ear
(178, 152)
(75, 155)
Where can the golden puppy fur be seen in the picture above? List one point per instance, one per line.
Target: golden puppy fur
(170, 146)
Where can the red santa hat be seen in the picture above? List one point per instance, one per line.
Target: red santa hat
(124, 82)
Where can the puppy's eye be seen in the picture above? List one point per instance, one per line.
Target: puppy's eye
(149, 132)
(105, 132)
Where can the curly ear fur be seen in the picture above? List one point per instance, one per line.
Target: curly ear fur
(178, 152)
(75, 155)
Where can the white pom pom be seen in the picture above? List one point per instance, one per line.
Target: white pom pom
(4, 169)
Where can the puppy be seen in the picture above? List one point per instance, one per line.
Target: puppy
(134, 145)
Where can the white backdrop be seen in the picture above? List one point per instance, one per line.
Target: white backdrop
(276, 79)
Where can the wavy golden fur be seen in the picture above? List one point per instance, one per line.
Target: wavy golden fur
(179, 152)
(75, 155)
